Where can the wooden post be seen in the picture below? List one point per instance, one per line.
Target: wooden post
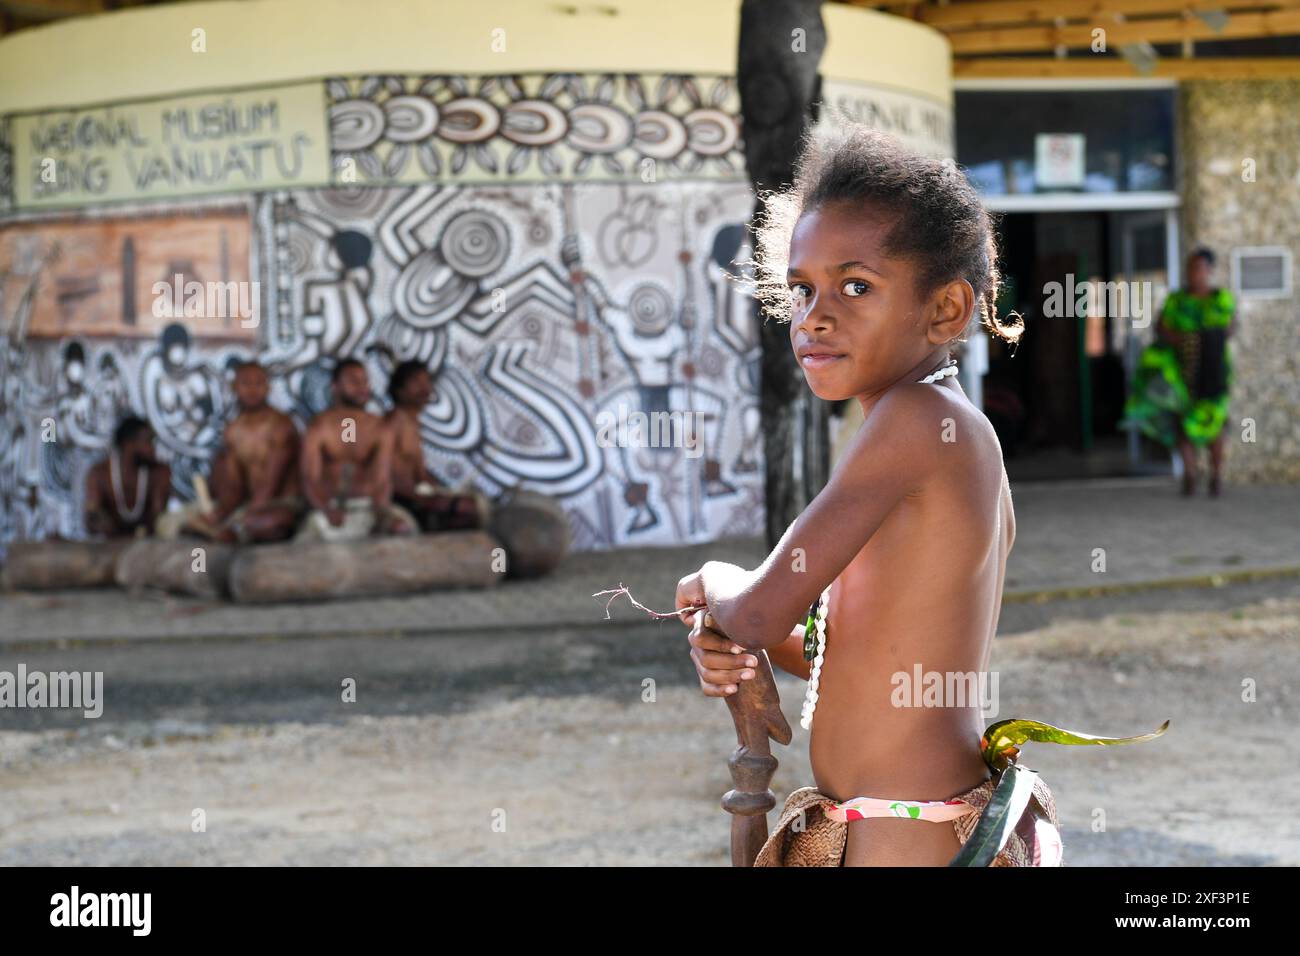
(778, 85)
(756, 712)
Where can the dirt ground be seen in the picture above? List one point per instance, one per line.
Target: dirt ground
(538, 775)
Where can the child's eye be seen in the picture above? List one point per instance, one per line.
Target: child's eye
(799, 294)
(856, 287)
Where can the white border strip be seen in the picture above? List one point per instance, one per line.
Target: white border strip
(1028, 84)
(1082, 202)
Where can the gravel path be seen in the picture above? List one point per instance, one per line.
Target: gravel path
(549, 735)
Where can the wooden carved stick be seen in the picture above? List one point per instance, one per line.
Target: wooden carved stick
(756, 711)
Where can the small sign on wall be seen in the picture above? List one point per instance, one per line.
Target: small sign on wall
(1059, 160)
(1262, 272)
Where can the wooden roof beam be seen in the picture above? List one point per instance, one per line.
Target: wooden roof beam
(1208, 68)
(52, 9)
(986, 13)
(1163, 30)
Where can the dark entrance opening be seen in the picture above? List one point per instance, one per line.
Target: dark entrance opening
(1057, 401)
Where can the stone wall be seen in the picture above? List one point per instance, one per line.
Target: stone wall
(1224, 124)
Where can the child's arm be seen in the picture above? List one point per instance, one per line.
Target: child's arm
(890, 457)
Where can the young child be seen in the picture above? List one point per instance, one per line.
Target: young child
(879, 258)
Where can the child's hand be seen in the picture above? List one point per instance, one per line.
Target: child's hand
(690, 593)
(721, 664)
(690, 589)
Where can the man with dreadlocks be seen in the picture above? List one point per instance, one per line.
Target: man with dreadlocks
(415, 488)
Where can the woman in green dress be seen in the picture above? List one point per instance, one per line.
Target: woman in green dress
(1180, 392)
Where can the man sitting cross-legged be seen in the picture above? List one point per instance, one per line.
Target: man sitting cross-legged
(255, 476)
(435, 506)
(347, 457)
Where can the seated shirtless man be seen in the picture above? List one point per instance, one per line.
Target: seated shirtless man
(127, 492)
(436, 507)
(255, 476)
(347, 461)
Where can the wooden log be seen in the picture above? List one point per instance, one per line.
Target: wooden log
(533, 529)
(310, 571)
(181, 566)
(56, 565)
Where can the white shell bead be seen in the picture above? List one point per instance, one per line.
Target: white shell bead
(812, 694)
(942, 373)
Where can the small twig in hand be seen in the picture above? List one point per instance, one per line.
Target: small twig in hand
(622, 589)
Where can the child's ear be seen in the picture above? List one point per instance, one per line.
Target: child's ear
(954, 303)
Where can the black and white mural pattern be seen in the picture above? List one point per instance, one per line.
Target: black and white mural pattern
(533, 127)
(539, 306)
(538, 309)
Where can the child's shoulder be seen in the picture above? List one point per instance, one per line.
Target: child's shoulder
(928, 426)
(922, 411)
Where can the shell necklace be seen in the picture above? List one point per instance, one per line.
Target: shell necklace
(942, 372)
(131, 515)
(814, 629)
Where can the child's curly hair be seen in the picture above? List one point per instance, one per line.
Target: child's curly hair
(941, 224)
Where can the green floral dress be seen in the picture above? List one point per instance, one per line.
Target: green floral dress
(1183, 389)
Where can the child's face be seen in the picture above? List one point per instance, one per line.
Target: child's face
(852, 304)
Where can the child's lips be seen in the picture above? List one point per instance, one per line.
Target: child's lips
(818, 359)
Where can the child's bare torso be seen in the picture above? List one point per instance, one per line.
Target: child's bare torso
(925, 590)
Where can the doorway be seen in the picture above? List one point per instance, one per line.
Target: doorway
(1057, 398)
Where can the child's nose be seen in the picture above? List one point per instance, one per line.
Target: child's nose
(816, 317)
